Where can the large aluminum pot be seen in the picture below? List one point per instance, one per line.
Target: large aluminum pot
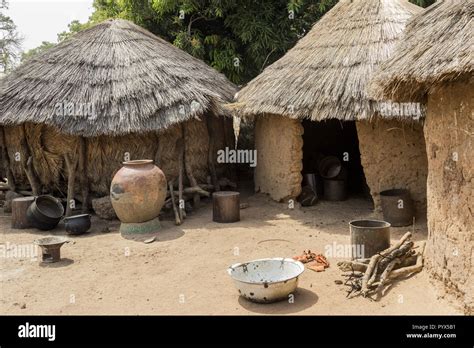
(138, 191)
(266, 280)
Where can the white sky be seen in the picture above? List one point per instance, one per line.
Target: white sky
(42, 20)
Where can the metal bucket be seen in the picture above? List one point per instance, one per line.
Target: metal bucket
(369, 237)
(397, 207)
(334, 190)
(330, 167)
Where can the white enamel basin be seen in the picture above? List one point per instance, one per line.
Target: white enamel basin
(266, 280)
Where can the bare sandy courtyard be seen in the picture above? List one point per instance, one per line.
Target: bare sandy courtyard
(184, 271)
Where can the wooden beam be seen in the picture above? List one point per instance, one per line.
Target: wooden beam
(83, 174)
(6, 160)
(27, 163)
(71, 167)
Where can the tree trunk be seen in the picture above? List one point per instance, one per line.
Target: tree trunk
(226, 206)
(19, 208)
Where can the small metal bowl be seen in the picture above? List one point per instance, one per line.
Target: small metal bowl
(266, 280)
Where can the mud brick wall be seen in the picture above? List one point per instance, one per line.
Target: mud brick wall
(449, 131)
(279, 145)
(393, 155)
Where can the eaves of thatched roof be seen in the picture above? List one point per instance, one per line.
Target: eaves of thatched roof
(326, 74)
(438, 48)
(111, 79)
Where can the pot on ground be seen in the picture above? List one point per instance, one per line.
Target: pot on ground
(77, 224)
(45, 212)
(138, 191)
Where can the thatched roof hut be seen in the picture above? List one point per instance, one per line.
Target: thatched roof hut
(326, 74)
(436, 63)
(133, 81)
(438, 48)
(324, 78)
(110, 93)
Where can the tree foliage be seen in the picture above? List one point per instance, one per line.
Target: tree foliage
(238, 38)
(10, 41)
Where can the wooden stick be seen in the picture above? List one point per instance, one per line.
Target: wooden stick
(180, 145)
(374, 260)
(157, 152)
(187, 166)
(211, 153)
(83, 178)
(27, 163)
(176, 214)
(71, 179)
(410, 269)
(6, 160)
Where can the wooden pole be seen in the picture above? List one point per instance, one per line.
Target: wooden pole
(83, 174)
(212, 153)
(175, 210)
(229, 141)
(27, 163)
(187, 166)
(71, 179)
(6, 160)
(157, 153)
(182, 212)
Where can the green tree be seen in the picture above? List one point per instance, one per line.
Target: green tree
(10, 41)
(34, 51)
(238, 38)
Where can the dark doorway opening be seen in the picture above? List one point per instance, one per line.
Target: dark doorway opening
(338, 139)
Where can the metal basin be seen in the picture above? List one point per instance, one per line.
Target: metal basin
(266, 280)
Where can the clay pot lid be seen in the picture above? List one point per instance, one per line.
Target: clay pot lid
(138, 162)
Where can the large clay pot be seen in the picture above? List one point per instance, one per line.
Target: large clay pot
(138, 191)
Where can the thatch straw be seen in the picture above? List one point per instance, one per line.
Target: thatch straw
(438, 48)
(120, 79)
(325, 75)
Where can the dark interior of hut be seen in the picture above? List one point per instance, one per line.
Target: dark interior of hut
(331, 153)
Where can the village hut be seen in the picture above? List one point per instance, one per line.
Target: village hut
(313, 102)
(435, 64)
(111, 93)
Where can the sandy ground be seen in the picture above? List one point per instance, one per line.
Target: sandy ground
(184, 271)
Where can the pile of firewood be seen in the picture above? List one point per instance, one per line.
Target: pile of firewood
(368, 277)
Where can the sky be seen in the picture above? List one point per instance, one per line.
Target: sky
(42, 20)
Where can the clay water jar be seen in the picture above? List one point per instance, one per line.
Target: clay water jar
(138, 191)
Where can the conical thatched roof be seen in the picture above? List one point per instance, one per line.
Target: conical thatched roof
(326, 74)
(438, 48)
(114, 78)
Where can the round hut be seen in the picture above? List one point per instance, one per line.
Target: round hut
(111, 93)
(313, 102)
(435, 64)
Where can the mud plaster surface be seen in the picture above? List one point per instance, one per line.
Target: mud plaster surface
(279, 145)
(449, 136)
(393, 155)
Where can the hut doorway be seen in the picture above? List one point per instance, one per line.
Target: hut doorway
(338, 139)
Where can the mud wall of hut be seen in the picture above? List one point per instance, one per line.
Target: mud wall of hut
(105, 154)
(279, 145)
(450, 148)
(393, 155)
